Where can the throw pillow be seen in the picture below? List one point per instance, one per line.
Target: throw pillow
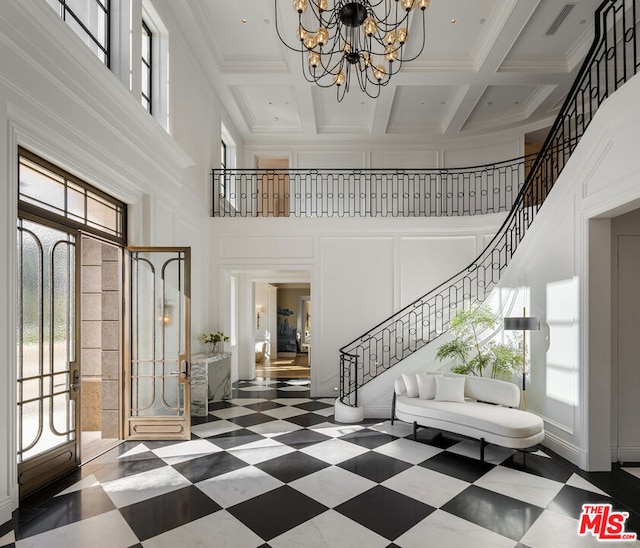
(426, 386)
(411, 383)
(450, 389)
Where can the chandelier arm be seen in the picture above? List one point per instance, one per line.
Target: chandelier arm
(363, 80)
(335, 69)
(424, 37)
(303, 49)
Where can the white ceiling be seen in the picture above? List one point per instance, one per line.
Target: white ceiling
(493, 70)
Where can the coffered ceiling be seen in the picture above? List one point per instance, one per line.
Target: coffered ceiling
(501, 64)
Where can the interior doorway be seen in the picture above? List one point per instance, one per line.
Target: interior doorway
(626, 319)
(287, 352)
(273, 194)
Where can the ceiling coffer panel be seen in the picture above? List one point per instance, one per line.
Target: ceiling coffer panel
(273, 107)
(418, 108)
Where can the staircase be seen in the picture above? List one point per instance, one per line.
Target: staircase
(612, 60)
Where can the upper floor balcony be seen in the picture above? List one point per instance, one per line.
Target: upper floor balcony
(477, 190)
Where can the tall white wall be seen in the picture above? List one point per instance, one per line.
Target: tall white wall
(361, 270)
(354, 155)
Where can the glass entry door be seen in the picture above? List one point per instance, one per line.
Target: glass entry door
(47, 372)
(157, 392)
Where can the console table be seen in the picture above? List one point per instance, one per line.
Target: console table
(210, 380)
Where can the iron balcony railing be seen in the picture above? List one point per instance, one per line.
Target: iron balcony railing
(612, 60)
(477, 190)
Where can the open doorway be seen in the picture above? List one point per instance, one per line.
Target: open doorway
(283, 344)
(100, 346)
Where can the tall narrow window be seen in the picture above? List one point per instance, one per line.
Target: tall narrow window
(224, 162)
(89, 19)
(147, 68)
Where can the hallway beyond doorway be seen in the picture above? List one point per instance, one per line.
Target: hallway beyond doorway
(285, 368)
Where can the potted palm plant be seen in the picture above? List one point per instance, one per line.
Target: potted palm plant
(493, 359)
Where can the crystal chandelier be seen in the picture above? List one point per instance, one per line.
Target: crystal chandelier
(365, 38)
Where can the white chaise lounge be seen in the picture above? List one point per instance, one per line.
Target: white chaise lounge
(476, 407)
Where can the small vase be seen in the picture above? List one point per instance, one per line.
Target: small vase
(213, 348)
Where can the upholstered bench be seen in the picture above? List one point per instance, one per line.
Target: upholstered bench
(476, 407)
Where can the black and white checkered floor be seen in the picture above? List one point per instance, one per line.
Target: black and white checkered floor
(272, 468)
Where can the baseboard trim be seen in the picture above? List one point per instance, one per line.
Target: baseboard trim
(377, 412)
(565, 449)
(5, 516)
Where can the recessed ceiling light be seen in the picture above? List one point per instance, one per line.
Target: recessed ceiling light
(482, 21)
(244, 21)
(489, 103)
(271, 102)
(516, 102)
(443, 102)
(583, 21)
(454, 21)
(422, 102)
(275, 118)
(266, 21)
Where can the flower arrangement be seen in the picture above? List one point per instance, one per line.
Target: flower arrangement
(213, 339)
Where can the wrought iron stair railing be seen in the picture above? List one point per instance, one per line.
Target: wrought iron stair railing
(613, 58)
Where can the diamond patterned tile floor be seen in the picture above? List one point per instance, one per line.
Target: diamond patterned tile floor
(271, 468)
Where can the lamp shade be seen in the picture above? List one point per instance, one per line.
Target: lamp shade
(522, 323)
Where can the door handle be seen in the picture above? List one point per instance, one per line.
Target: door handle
(75, 384)
(184, 370)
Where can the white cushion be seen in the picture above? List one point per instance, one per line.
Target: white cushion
(399, 387)
(426, 386)
(450, 389)
(411, 383)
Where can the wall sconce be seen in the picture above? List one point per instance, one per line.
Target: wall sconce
(259, 310)
(167, 314)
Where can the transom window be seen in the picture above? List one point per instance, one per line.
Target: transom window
(52, 192)
(89, 19)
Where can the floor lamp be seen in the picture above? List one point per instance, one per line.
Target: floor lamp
(524, 323)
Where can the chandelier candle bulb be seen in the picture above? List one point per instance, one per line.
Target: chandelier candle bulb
(314, 59)
(390, 54)
(300, 5)
(322, 36)
(370, 27)
(310, 41)
(390, 38)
